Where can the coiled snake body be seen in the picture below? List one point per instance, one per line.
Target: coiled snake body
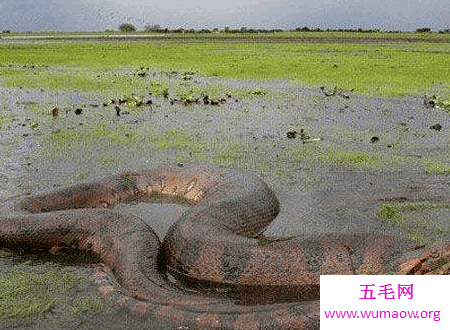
(251, 283)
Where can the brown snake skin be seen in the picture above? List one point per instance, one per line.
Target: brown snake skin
(245, 282)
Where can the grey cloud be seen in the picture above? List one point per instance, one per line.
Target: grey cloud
(109, 14)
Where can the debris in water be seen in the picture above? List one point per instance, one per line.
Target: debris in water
(291, 134)
(437, 127)
(55, 112)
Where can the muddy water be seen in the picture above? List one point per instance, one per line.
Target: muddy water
(316, 194)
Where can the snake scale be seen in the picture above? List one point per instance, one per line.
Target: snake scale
(227, 277)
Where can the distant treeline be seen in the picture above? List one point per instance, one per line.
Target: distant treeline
(130, 28)
(157, 28)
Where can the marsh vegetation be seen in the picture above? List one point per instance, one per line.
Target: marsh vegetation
(377, 68)
(338, 123)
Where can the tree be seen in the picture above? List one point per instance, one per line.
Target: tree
(127, 27)
(423, 30)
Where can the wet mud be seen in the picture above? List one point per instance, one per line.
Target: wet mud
(350, 154)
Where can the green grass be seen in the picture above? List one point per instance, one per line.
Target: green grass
(83, 138)
(394, 210)
(382, 69)
(86, 305)
(222, 151)
(26, 293)
(435, 166)
(107, 160)
(175, 139)
(416, 226)
(355, 158)
(327, 153)
(96, 134)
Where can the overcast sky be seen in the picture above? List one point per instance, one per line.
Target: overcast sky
(83, 15)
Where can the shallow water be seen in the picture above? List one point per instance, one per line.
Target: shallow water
(315, 195)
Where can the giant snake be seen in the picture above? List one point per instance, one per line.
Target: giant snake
(224, 274)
